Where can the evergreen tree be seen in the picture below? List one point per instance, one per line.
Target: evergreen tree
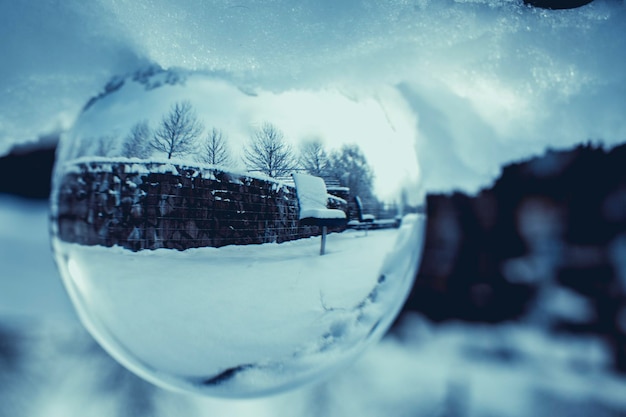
(349, 166)
(313, 157)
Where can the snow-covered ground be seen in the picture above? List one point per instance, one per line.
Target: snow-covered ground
(50, 367)
(273, 312)
(29, 283)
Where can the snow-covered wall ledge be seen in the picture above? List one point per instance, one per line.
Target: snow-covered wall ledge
(152, 205)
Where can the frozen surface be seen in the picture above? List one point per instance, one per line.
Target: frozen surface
(421, 369)
(487, 81)
(29, 283)
(242, 319)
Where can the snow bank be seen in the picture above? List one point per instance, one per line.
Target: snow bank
(486, 81)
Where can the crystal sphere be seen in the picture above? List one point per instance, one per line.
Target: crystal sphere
(232, 241)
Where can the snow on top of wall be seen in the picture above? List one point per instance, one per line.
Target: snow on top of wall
(158, 166)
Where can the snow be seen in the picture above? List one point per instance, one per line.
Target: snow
(166, 166)
(28, 283)
(196, 313)
(481, 82)
(313, 198)
(322, 213)
(420, 369)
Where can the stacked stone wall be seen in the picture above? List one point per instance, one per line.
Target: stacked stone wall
(149, 206)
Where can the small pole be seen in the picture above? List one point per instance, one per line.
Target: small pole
(323, 247)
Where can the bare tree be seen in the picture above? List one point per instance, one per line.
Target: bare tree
(268, 152)
(313, 157)
(105, 145)
(178, 131)
(214, 149)
(137, 143)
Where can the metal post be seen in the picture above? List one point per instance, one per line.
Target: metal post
(323, 247)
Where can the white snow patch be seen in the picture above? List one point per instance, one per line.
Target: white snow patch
(196, 313)
(484, 81)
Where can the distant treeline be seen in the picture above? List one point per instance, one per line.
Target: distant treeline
(180, 134)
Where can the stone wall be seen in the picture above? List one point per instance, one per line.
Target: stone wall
(151, 205)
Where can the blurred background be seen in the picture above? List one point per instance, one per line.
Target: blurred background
(519, 307)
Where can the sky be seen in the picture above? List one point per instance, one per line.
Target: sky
(485, 81)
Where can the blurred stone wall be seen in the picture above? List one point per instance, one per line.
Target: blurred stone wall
(149, 206)
(546, 244)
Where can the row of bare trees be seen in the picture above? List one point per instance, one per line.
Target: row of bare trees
(268, 153)
(181, 134)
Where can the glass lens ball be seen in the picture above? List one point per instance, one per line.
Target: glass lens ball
(234, 241)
